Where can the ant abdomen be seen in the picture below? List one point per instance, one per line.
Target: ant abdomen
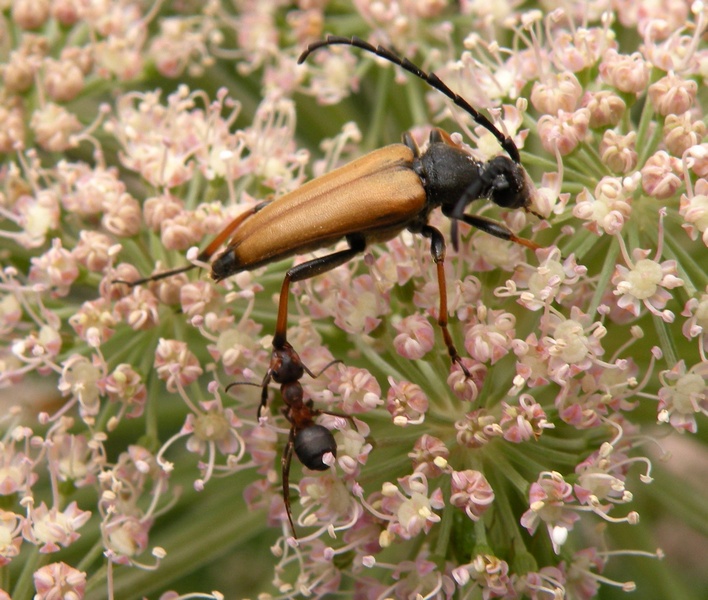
(312, 443)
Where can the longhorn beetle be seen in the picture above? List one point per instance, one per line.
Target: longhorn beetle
(307, 439)
(373, 199)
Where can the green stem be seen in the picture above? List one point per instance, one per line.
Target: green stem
(25, 584)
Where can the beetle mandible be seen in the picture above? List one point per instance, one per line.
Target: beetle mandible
(373, 199)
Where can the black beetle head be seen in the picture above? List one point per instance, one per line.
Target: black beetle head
(507, 183)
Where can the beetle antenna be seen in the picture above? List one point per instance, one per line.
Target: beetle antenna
(430, 78)
(156, 276)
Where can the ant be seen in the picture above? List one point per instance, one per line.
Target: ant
(310, 441)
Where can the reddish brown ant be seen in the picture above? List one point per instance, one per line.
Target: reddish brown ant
(310, 441)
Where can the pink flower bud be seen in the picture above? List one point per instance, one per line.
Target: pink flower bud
(30, 14)
(56, 269)
(158, 209)
(681, 132)
(18, 73)
(66, 11)
(659, 177)
(92, 250)
(606, 108)
(617, 151)
(672, 95)
(63, 80)
(182, 231)
(54, 127)
(557, 92)
(563, 131)
(416, 337)
(123, 218)
(627, 73)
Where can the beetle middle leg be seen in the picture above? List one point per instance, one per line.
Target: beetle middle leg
(437, 250)
(308, 269)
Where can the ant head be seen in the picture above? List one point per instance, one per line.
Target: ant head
(312, 443)
(285, 365)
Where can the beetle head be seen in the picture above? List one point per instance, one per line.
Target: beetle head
(508, 185)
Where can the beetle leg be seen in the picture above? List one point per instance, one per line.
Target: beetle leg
(437, 250)
(285, 465)
(458, 210)
(227, 231)
(498, 230)
(308, 269)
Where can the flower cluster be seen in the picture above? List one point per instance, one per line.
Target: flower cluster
(141, 438)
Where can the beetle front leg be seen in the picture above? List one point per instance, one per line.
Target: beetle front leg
(437, 250)
(497, 230)
(308, 269)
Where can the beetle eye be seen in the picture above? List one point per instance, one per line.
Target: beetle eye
(312, 443)
(503, 193)
(507, 184)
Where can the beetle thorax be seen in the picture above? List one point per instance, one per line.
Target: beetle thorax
(447, 173)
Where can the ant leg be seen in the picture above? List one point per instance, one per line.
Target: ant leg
(437, 250)
(323, 369)
(340, 415)
(264, 394)
(308, 269)
(285, 468)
